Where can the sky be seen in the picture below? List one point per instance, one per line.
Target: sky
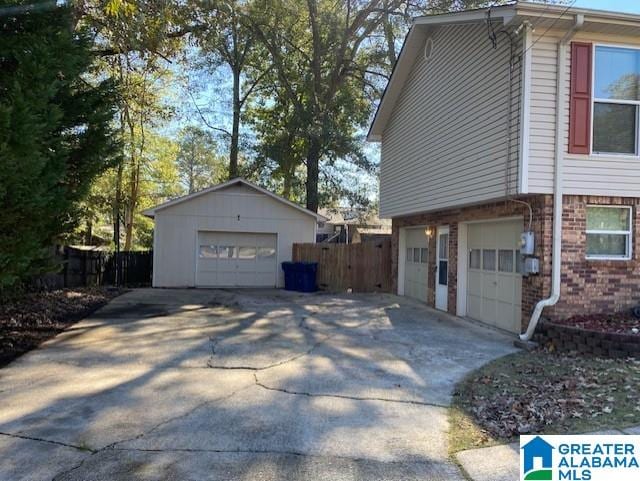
(214, 102)
(630, 6)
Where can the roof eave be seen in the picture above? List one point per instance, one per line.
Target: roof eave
(238, 180)
(542, 10)
(409, 50)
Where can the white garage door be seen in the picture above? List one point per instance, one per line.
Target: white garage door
(416, 268)
(494, 291)
(227, 259)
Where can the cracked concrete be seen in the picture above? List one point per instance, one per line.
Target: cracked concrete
(241, 385)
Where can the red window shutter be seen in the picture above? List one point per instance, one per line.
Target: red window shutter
(580, 100)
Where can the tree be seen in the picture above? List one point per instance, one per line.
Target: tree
(230, 42)
(321, 54)
(198, 164)
(55, 133)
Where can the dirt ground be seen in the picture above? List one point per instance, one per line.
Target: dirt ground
(27, 322)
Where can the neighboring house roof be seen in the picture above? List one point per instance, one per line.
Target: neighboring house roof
(543, 16)
(374, 231)
(346, 216)
(152, 212)
(333, 216)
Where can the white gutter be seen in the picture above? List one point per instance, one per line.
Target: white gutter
(557, 181)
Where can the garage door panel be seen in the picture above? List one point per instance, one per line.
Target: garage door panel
(489, 311)
(504, 315)
(506, 288)
(474, 306)
(494, 288)
(475, 287)
(489, 288)
(416, 272)
(242, 260)
(517, 295)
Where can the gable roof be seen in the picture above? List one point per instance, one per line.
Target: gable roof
(542, 15)
(237, 181)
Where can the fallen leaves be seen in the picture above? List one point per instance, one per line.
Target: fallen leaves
(544, 391)
(619, 322)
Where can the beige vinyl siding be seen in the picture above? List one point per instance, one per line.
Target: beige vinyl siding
(239, 209)
(446, 141)
(583, 174)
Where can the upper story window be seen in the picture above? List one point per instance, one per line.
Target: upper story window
(609, 232)
(616, 99)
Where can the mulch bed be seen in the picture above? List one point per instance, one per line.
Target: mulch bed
(33, 318)
(618, 323)
(541, 391)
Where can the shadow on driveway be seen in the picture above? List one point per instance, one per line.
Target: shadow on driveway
(241, 385)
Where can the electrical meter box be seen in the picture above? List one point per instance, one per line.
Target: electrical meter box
(531, 265)
(527, 243)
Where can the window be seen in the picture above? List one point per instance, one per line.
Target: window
(474, 258)
(416, 254)
(608, 232)
(226, 252)
(444, 246)
(247, 252)
(616, 100)
(207, 252)
(505, 260)
(423, 256)
(488, 259)
(409, 254)
(266, 252)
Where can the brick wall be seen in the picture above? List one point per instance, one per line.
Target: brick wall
(568, 339)
(588, 286)
(533, 286)
(594, 286)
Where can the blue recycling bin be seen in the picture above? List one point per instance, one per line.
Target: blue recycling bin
(300, 276)
(307, 277)
(290, 276)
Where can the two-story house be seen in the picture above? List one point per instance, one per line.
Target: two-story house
(497, 122)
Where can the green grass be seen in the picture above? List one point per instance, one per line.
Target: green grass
(543, 392)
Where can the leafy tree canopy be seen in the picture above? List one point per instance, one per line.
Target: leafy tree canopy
(55, 132)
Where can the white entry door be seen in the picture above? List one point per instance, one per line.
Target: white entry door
(494, 290)
(442, 268)
(228, 259)
(416, 264)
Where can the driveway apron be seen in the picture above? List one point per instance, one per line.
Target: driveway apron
(241, 385)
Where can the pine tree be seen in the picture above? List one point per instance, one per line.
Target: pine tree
(55, 132)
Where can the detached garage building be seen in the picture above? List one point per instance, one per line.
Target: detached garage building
(234, 234)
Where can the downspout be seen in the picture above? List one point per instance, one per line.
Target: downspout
(557, 181)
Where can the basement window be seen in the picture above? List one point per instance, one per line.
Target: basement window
(608, 232)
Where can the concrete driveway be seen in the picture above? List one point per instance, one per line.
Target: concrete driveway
(241, 385)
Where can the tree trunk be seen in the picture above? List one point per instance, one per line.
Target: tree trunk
(286, 189)
(88, 234)
(192, 177)
(313, 174)
(391, 41)
(133, 189)
(117, 205)
(235, 130)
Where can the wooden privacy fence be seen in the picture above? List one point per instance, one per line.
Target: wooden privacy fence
(364, 267)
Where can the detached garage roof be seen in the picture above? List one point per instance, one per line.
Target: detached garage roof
(237, 181)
